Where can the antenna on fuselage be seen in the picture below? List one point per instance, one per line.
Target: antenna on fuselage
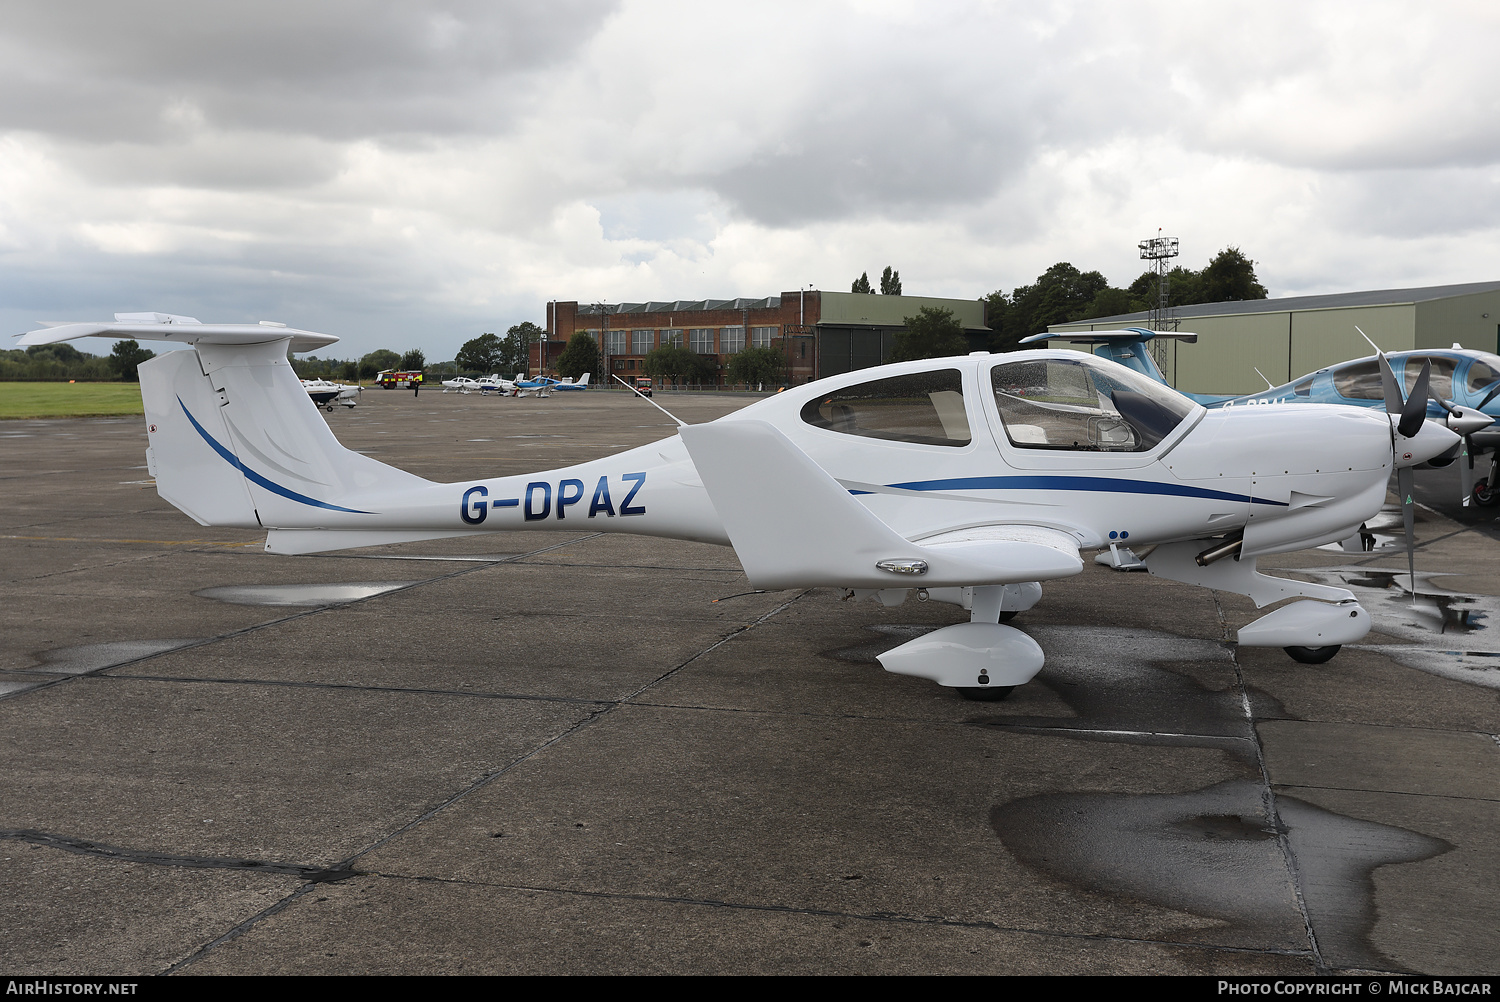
(680, 422)
(1269, 385)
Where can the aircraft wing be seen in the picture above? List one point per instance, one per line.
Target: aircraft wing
(794, 525)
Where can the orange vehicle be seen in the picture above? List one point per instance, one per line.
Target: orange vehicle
(643, 384)
(392, 378)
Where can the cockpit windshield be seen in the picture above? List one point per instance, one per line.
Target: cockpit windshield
(1084, 405)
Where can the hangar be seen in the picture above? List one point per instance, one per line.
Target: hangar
(1287, 338)
(821, 333)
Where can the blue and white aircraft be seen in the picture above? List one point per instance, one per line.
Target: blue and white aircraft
(968, 480)
(1464, 391)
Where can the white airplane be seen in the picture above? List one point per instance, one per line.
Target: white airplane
(325, 393)
(568, 384)
(968, 479)
(460, 384)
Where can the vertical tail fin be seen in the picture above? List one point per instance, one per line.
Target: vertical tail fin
(236, 441)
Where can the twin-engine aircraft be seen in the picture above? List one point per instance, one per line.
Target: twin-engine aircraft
(1463, 392)
(969, 480)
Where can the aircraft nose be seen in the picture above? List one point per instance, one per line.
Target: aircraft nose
(1430, 441)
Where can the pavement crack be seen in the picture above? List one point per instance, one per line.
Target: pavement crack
(1273, 815)
(86, 847)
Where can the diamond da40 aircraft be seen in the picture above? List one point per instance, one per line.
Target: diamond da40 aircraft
(969, 479)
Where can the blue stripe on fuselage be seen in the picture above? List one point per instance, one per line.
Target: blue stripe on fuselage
(254, 477)
(1099, 485)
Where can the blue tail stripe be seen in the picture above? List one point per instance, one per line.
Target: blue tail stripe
(256, 478)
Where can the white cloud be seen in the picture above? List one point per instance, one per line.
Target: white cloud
(410, 174)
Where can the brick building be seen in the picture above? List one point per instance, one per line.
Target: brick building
(819, 333)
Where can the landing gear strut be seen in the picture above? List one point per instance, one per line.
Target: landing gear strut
(1486, 495)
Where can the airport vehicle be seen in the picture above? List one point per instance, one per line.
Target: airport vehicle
(642, 385)
(325, 393)
(391, 379)
(967, 480)
(1464, 391)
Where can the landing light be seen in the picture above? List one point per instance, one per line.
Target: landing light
(903, 566)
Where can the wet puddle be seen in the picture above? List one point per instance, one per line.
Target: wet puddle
(93, 657)
(301, 594)
(1137, 686)
(1214, 853)
(1446, 631)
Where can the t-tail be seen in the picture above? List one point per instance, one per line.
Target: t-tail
(235, 441)
(1128, 346)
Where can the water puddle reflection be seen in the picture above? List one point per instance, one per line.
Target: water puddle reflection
(301, 594)
(92, 657)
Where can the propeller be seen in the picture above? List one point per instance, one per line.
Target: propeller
(1412, 413)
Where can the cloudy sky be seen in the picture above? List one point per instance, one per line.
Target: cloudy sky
(412, 174)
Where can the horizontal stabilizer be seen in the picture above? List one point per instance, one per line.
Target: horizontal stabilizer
(793, 525)
(1110, 337)
(184, 330)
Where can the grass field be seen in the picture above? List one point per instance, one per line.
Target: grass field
(51, 400)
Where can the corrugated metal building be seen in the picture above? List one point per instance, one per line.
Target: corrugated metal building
(1287, 338)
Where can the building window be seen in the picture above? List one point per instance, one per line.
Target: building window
(732, 340)
(616, 343)
(701, 340)
(760, 337)
(670, 337)
(640, 342)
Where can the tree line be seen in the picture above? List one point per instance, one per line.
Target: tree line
(1063, 294)
(56, 362)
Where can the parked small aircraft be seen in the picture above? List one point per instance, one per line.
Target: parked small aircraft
(460, 384)
(543, 386)
(967, 480)
(325, 393)
(1464, 392)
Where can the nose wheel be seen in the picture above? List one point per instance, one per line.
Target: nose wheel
(987, 693)
(1486, 495)
(1312, 655)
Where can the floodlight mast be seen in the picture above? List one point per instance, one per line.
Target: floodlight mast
(1159, 250)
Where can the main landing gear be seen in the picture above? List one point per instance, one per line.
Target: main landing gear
(1312, 655)
(985, 693)
(1486, 495)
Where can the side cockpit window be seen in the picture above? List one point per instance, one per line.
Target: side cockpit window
(1081, 406)
(925, 408)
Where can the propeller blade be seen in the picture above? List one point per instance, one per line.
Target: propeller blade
(1393, 401)
(1405, 481)
(1414, 412)
(1490, 395)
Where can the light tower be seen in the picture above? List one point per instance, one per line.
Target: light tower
(1159, 250)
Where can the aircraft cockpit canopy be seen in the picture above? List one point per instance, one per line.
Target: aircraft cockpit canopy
(924, 408)
(1083, 406)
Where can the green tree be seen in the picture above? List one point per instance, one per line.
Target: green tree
(515, 350)
(1230, 277)
(1109, 302)
(413, 361)
(756, 366)
(125, 358)
(674, 362)
(862, 283)
(377, 362)
(1061, 293)
(890, 282)
(932, 333)
(580, 356)
(480, 354)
